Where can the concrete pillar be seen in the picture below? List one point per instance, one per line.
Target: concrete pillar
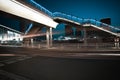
(85, 37)
(47, 38)
(31, 42)
(50, 37)
(116, 42)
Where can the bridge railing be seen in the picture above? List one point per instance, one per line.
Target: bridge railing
(39, 7)
(86, 21)
(104, 25)
(69, 17)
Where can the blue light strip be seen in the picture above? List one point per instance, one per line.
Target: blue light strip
(30, 26)
(35, 4)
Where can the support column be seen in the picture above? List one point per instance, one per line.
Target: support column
(47, 38)
(50, 37)
(31, 42)
(116, 42)
(85, 37)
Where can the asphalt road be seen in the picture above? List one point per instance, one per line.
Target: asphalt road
(47, 68)
(62, 53)
(42, 64)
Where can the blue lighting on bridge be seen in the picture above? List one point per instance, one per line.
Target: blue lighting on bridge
(38, 6)
(71, 18)
(84, 21)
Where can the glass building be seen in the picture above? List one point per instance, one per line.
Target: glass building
(9, 36)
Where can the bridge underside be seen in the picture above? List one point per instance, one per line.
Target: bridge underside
(89, 27)
(87, 31)
(24, 25)
(27, 15)
(22, 10)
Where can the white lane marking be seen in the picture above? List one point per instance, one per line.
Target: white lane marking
(14, 60)
(17, 59)
(7, 54)
(12, 76)
(11, 55)
(103, 54)
(94, 54)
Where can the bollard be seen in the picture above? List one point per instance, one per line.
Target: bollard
(39, 46)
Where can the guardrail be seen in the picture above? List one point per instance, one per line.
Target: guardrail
(82, 45)
(69, 17)
(73, 46)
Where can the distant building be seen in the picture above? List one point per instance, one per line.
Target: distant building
(9, 36)
(106, 21)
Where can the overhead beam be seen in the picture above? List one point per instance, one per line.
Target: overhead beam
(16, 8)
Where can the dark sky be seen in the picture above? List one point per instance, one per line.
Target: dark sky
(95, 9)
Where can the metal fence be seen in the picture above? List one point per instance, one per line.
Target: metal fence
(72, 46)
(82, 45)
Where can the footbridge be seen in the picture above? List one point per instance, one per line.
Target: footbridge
(64, 18)
(22, 9)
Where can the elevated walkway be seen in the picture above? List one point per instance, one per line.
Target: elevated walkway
(17, 8)
(61, 17)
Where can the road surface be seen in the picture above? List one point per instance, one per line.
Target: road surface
(17, 63)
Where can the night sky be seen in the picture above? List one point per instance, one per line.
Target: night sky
(95, 9)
